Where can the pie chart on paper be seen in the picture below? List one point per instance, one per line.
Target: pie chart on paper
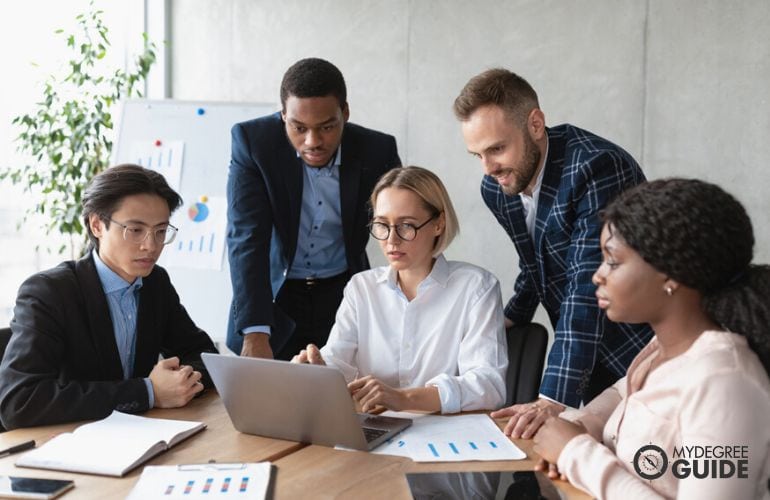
(198, 212)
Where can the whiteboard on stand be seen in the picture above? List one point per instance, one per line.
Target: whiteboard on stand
(189, 143)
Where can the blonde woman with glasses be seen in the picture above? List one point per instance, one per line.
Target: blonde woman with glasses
(422, 333)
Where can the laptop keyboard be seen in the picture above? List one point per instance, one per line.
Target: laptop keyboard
(372, 434)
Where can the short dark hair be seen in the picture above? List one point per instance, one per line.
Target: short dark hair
(313, 77)
(498, 87)
(701, 236)
(107, 189)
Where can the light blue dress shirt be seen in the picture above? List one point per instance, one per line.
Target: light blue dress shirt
(320, 246)
(123, 301)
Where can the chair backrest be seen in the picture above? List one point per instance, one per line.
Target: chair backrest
(5, 337)
(526, 356)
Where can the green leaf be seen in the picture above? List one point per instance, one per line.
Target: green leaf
(70, 139)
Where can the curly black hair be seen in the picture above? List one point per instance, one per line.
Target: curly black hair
(313, 77)
(701, 236)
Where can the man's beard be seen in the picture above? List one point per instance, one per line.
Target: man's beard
(526, 170)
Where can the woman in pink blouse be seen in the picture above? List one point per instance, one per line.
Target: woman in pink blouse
(692, 417)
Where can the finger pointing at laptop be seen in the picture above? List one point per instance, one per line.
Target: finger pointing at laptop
(311, 355)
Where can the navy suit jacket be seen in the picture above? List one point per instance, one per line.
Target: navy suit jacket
(583, 173)
(62, 363)
(264, 193)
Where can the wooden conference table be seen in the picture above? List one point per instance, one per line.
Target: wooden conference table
(303, 471)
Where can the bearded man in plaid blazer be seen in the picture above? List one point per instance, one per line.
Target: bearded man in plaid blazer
(546, 187)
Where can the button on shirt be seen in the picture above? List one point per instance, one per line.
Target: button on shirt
(123, 302)
(450, 335)
(320, 246)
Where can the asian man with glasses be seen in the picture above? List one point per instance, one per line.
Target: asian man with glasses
(87, 334)
(422, 333)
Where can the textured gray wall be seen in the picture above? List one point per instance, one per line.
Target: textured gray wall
(682, 85)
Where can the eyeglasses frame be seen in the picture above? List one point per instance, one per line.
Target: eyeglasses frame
(146, 234)
(390, 226)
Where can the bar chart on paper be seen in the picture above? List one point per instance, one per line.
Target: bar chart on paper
(200, 240)
(435, 438)
(165, 157)
(460, 448)
(203, 481)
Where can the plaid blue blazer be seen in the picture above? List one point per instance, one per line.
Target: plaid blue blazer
(583, 172)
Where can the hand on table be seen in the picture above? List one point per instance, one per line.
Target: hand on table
(174, 385)
(549, 469)
(527, 418)
(371, 393)
(553, 436)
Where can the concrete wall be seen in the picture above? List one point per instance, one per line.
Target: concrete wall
(682, 85)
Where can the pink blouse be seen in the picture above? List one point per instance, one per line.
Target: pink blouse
(714, 396)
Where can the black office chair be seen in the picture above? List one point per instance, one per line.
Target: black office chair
(526, 356)
(5, 337)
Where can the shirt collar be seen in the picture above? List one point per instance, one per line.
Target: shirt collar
(539, 181)
(439, 274)
(334, 162)
(111, 281)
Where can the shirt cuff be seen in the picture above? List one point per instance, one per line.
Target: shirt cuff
(566, 407)
(150, 392)
(448, 393)
(257, 329)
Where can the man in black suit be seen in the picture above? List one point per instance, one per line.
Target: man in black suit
(87, 334)
(297, 215)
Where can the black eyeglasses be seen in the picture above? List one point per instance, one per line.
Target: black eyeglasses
(405, 230)
(137, 234)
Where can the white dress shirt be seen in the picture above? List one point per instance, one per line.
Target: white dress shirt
(450, 335)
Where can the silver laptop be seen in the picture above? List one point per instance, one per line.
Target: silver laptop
(297, 402)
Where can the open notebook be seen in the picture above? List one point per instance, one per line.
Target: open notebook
(110, 447)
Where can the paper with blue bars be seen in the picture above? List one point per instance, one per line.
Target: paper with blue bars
(438, 438)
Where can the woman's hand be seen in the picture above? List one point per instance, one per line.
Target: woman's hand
(550, 469)
(527, 418)
(311, 355)
(370, 393)
(553, 436)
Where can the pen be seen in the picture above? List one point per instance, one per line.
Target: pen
(19, 447)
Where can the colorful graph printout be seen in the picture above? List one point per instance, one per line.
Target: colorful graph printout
(203, 481)
(200, 241)
(166, 157)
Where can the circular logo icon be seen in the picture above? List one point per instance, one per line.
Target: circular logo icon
(650, 462)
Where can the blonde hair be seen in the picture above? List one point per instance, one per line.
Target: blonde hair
(431, 191)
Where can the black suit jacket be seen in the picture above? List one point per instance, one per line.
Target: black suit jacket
(62, 363)
(264, 192)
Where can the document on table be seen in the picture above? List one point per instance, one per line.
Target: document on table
(198, 481)
(439, 438)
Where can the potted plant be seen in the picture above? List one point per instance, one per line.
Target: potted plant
(68, 135)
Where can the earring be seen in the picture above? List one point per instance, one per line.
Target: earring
(669, 291)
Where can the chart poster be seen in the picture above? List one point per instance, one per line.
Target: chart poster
(200, 240)
(165, 157)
